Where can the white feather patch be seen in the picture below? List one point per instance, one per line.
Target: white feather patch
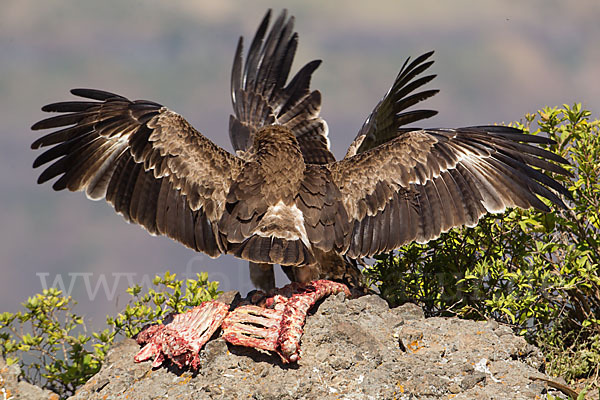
(285, 222)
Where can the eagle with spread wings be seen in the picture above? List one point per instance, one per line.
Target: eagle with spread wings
(283, 198)
(258, 102)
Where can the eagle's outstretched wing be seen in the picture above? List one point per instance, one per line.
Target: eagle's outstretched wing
(384, 122)
(147, 161)
(260, 96)
(425, 182)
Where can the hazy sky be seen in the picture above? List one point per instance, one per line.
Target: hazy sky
(495, 60)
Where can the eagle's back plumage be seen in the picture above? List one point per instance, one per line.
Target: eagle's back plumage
(261, 222)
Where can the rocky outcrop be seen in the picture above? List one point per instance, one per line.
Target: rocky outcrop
(11, 387)
(351, 349)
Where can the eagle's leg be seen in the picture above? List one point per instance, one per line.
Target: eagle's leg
(262, 276)
(331, 266)
(276, 325)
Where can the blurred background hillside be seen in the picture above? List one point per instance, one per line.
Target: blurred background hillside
(495, 60)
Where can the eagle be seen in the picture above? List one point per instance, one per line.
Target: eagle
(260, 97)
(283, 198)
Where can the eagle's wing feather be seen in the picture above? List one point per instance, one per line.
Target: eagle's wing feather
(260, 97)
(426, 182)
(145, 160)
(388, 116)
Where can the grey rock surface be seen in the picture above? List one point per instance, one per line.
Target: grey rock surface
(14, 389)
(352, 349)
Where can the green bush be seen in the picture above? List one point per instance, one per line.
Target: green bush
(48, 343)
(51, 344)
(537, 272)
(156, 304)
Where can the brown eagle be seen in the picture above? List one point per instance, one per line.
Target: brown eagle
(284, 199)
(260, 98)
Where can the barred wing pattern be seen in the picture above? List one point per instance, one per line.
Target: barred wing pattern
(147, 161)
(389, 114)
(260, 97)
(425, 182)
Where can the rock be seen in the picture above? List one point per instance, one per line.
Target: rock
(351, 349)
(14, 389)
